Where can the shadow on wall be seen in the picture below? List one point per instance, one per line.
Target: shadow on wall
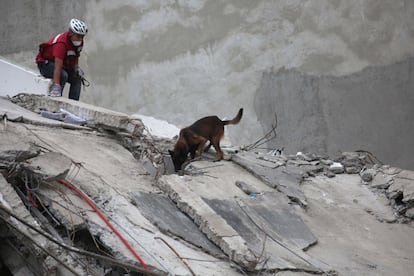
(370, 110)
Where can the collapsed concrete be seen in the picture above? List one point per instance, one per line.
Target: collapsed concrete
(248, 216)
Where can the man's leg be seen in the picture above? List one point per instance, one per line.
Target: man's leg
(75, 85)
(47, 69)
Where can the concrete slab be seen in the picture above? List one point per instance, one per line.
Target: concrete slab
(15, 151)
(279, 220)
(283, 178)
(95, 115)
(16, 113)
(210, 223)
(164, 214)
(222, 209)
(265, 242)
(344, 215)
(48, 166)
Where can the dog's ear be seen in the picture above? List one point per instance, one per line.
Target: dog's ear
(171, 153)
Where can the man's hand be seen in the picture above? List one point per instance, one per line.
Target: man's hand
(55, 90)
(79, 72)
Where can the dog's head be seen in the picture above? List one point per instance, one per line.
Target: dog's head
(178, 157)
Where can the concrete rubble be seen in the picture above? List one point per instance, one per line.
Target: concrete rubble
(256, 213)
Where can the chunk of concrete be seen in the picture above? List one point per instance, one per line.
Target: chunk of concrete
(368, 175)
(48, 166)
(209, 222)
(231, 228)
(275, 232)
(381, 181)
(403, 186)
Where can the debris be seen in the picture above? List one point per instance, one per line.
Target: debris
(71, 118)
(336, 168)
(246, 188)
(220, 218)
(368, 175)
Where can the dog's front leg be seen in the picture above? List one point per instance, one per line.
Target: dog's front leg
(201, 147)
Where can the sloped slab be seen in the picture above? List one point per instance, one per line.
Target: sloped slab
(15, 113)
(164, 214)
(95, 116)
(248, 229)
(283, 178)
(279, 220)
(210, 223)
(270, 229)
(12, 150)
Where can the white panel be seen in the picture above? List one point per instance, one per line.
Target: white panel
(15, 79)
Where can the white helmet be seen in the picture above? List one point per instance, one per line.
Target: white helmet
(78, 27)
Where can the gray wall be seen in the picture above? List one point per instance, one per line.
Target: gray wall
(180, 60)
(371, 110)
(26, 23)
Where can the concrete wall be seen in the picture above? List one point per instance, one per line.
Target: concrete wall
(179, 60)
(370, 110)
(26, 23)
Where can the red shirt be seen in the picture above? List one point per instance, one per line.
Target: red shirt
(59, 46)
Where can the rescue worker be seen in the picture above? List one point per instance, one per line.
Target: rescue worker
(58, 59)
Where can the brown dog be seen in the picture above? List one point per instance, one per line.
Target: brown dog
(194, 138)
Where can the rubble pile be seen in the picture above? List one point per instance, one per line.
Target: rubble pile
(128, 130)
(397, 184)
(249, 216)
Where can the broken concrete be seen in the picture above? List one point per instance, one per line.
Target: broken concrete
(276, 173)
(282, 213)
(35, 244)
(42, 169)
(109, 174)
(265, 224)
(164, 214)
(95, 116)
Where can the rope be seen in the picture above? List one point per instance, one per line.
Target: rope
(105, 219)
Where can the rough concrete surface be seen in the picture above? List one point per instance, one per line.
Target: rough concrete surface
(240, 223)
(343, 213)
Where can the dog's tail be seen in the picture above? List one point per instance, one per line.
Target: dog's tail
(235, 120)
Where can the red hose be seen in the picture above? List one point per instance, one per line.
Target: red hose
(104, 218)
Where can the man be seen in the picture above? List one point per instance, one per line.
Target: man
(58, 59)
